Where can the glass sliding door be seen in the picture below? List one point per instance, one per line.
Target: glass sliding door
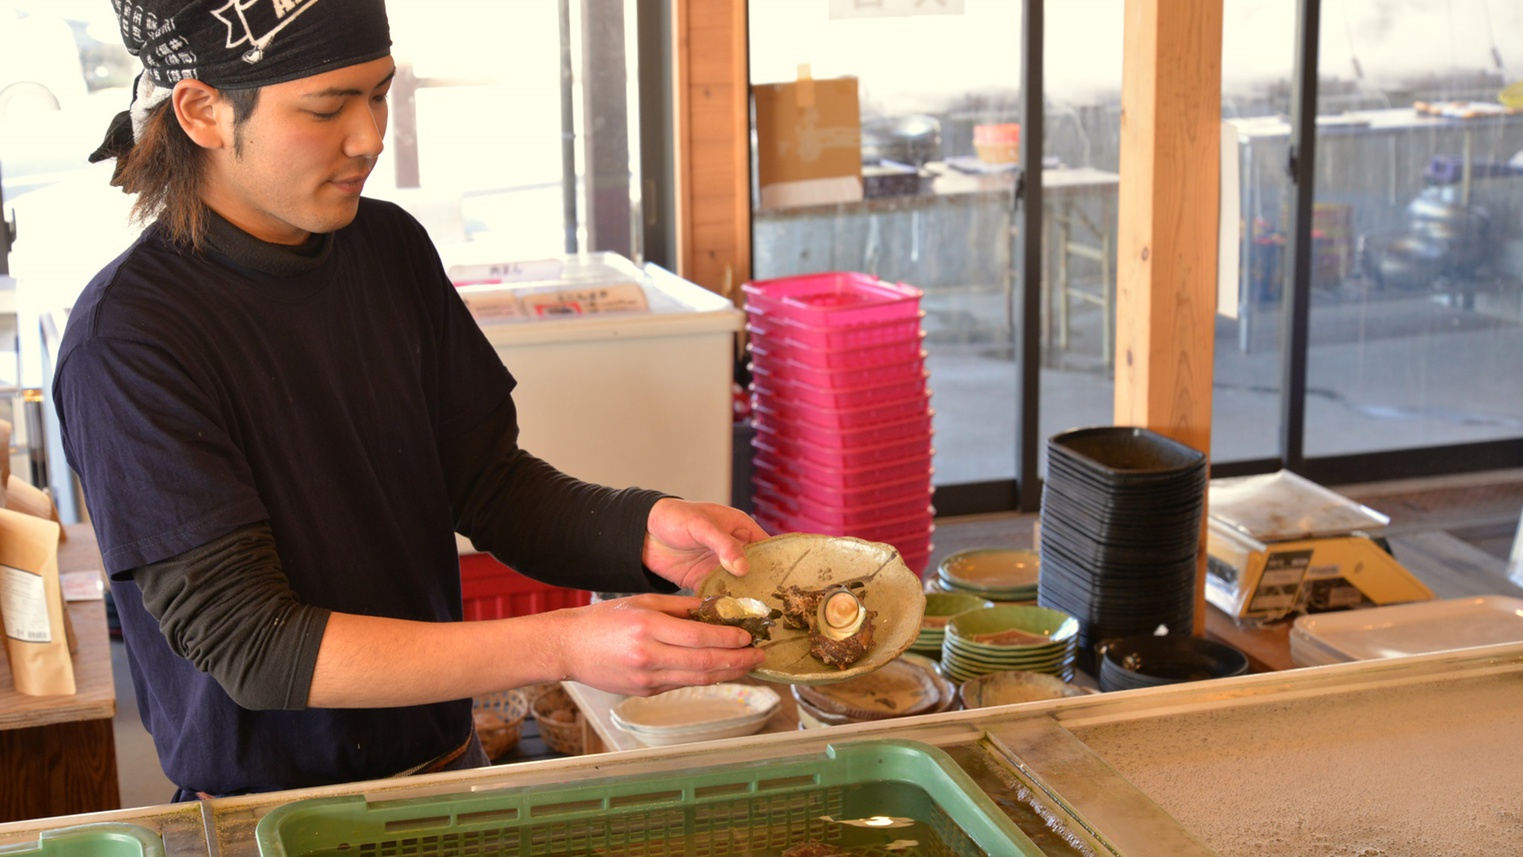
(1416, 324)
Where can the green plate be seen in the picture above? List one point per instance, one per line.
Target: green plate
(812, 561)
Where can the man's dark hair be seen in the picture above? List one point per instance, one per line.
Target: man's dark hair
(166, 169)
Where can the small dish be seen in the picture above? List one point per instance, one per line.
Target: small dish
(1046, 625)
(1012, 687)
(992, 569)
(696, 708)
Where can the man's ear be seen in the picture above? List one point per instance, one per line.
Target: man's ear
(199, 107)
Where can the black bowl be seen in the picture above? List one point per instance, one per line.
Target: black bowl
(1148, 661)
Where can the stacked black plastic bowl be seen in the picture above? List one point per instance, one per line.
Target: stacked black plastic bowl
(1121, 519)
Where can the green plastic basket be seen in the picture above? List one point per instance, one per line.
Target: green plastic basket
(103, 839)
(739, 809)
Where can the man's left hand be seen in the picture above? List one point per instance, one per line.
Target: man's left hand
(685, 540)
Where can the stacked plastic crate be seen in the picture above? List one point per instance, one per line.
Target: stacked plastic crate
(841, 409)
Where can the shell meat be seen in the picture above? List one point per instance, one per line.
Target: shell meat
(840, 613)
(749, 613)
(839, 625)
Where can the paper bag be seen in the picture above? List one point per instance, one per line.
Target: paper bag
(5, 459)
(31, 606)
(21, 496)
(809, 142)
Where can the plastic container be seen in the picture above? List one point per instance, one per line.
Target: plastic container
(787, 389)
(998, 143)
(840, 479)
(491, 590)
(911, 428)
(858, 457)
(864, 357)
(837, 517)
(102, 839)
(851, 377)
(664, 377)
(876, 414)
(873, 494)
(834, 298)
(724, 809)
(776, 329)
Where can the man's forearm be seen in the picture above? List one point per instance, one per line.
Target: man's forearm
(373, 662)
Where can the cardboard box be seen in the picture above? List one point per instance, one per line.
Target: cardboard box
(809, 142)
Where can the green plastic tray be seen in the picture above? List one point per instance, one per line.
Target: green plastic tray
(737, 809)
(103, 839)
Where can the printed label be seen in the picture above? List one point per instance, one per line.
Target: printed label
(24, 604)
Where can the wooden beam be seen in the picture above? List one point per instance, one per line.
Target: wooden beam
(713, 141)
(1166, 241)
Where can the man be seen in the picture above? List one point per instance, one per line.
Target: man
(281, 412)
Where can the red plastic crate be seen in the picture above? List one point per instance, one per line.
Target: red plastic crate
(833, 298)
(492, 590)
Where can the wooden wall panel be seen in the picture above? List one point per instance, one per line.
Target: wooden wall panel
(713, 137)
(1166, 242)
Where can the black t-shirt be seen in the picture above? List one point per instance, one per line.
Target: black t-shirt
(199, 395)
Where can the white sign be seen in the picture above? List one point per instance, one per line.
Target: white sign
(893, 8)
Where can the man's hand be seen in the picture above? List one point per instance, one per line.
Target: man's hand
(684, 541)
(645, 644)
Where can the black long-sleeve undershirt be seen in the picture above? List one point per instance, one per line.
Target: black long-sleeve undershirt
(229, 608)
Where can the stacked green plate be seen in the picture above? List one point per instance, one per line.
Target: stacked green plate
(997, 574)
(1009, 637)
(940, 607)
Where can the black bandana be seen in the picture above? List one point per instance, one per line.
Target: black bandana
(240, 44)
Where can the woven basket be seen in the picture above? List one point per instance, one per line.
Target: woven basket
(499, 721)
(560, 721)
(535, 691)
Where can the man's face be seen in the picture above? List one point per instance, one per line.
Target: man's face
(303, 155)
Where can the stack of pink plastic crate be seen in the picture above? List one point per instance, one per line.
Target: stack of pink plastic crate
(841, 410)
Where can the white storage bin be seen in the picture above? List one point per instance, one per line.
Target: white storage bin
(624, 398)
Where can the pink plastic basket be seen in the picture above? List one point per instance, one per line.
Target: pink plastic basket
(864, 357)
(845, 439)
(769, 328)
(851, 397)
(837, 478)
(816, 494)
(783, 365)
(909, 535)
(883, 413)
(834, 298)
(854, 517)
(864, 455)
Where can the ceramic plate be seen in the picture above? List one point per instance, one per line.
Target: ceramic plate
(812, 561)
(900, 688)
(696, 708)
(1012, 687)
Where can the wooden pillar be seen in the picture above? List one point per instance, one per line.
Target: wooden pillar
(1167, 241)
(713, 143)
